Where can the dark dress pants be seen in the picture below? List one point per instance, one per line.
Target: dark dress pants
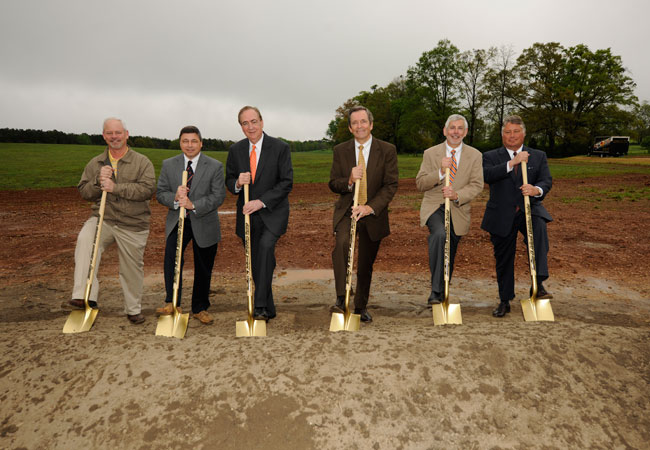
(203, 263)
(367, 254)
(504, 253)
(263, 262)
(437, 237)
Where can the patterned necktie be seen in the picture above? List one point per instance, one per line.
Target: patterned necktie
(253, 162)
(190, 174)
(454, 166)
(516, 168)
(363, 183)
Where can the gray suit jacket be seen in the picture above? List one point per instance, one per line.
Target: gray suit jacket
(207, 194)
(468, 183)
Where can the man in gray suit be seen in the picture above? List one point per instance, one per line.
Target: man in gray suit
(204, 193)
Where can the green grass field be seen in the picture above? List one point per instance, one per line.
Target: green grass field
(39, 166)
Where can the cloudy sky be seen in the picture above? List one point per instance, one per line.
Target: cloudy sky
(163, 64)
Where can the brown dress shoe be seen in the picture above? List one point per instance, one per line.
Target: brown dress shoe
(135, 318)
(204, 317)
(79, 303)
(167, 310)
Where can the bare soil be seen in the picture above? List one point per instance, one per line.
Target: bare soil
(579, 382)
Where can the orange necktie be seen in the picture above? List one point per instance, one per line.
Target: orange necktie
(253, 161)
(452, 170)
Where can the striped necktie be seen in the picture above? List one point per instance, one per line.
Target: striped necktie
(190, 174)
(454, 167)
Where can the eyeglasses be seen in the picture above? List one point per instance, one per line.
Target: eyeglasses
(253, 122)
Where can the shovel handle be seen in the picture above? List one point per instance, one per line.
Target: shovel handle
(529, 233)
(93, 260)
(247, 243)
(179, 248)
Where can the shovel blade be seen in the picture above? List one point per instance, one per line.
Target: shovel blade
(340, 322)
(537, 310)
(244, 328)
(446, 313)
(173, 325)
(80, 320)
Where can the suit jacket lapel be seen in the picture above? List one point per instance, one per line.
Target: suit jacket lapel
(372, 165)
(199, 170)
(178, 168)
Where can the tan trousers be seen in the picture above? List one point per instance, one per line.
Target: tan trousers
(130, 249)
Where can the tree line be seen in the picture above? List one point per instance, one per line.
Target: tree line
(59, 137)
(566, 96)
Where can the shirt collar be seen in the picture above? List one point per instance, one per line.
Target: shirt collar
(258, 145)
(511, 152)
(458, 149)
(366, 145)
(195, 160)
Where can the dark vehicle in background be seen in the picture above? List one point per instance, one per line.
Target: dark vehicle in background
(610, 146)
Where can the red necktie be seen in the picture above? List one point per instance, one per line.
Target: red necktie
(253, 162)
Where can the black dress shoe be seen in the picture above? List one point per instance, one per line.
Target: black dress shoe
(79, 303)
(339, 307)
(365, 315)
(260, 314)
(541, 292)
(434, 299)
(502, 309)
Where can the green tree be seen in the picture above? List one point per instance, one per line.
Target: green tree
(565, 93)
(474, 68)
(495, 93)
(641, 127)
(435, 80)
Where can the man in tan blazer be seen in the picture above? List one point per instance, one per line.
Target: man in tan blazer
(466, 182)
(372, 213)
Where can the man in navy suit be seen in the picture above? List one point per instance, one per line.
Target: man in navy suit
(201, 198)
(264, 163)
(504, 212)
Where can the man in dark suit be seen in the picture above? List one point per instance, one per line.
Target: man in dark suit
(374, 163)
(504, 212)
(264, 163)
(201, 198)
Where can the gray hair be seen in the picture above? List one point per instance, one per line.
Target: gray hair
(515, 120)
(114, 118)
(359, 108)
(454, 118)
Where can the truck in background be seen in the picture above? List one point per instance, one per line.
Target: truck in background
(609, 146)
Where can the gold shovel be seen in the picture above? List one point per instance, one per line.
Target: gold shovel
(80, 321)
(348, 321)
(175, 324)
(533, 308)
(444, 313)
(249, 327)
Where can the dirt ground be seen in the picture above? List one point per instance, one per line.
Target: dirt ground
(582, 381)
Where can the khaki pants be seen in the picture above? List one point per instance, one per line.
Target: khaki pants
(130, 248)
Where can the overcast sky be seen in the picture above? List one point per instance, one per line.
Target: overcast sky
(163, 64)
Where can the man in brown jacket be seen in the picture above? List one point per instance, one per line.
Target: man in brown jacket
(129, 179)
(380, 166)
(466, 182)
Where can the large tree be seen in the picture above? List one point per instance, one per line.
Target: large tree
(498, 80)
(474, 68)
(565, 93)
(435, 81)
